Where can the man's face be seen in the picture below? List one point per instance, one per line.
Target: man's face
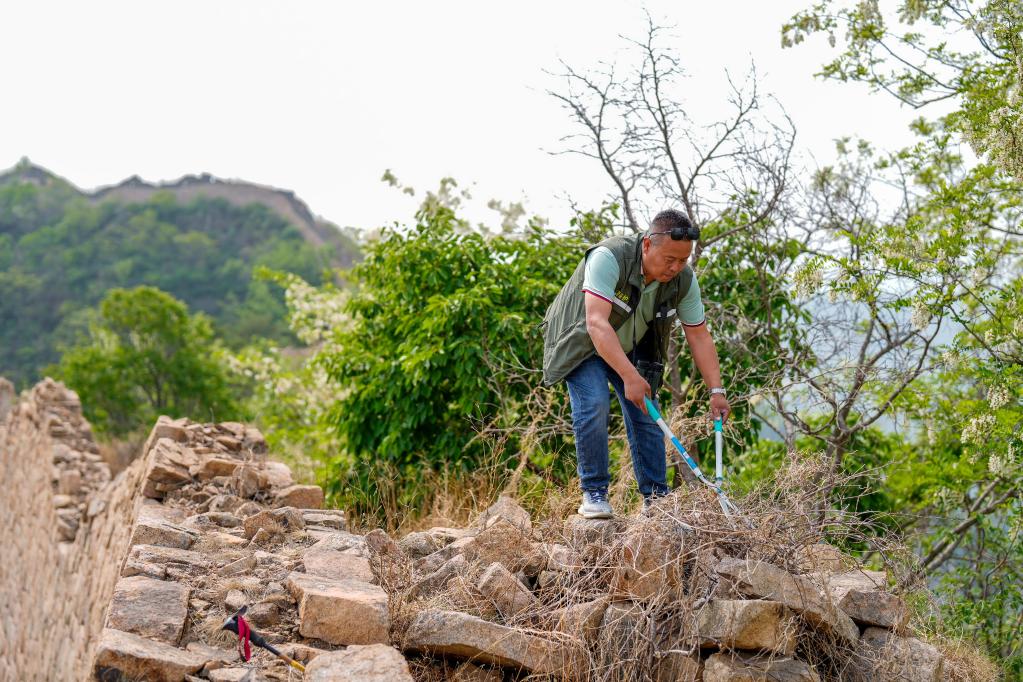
(663, 258)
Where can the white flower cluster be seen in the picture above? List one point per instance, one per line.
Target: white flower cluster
(920, 317)
(998, 396)
(314, 313)
(807, 280)
(997, 465)
(976, 277)
(952, 360)
(999, 139)
(977, 430)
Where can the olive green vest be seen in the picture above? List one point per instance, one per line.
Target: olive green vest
(566, 342)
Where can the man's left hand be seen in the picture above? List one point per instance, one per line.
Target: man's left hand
(719, 407)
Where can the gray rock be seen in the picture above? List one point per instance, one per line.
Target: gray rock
(451, 633)
(155, 609)
(140, 658)
(766, 581)
(744, 667)
(370, 663)
(340, 611)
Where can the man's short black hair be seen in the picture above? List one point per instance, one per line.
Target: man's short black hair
(665, 221)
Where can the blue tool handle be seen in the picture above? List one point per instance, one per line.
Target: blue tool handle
(718, 424)
(652, 409)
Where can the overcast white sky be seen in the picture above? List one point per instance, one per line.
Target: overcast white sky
(322, 97)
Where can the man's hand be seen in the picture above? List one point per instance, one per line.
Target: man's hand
(719, 407)
(636, 388)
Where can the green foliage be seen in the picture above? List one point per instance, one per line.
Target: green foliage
(59, 255)
(751, 313)
(146, 356)
(437, 311)
(968, 53)
(953, 255)
(289, 389)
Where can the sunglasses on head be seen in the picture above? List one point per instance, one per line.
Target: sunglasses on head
(680, 232)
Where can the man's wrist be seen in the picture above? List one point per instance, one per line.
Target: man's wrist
(717, 389)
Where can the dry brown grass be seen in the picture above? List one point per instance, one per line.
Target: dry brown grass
(779, 522)
(118, 453)
(964, 662)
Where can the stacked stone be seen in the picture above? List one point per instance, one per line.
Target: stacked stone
(78, 469)
(757, 623)
(219, 526)
(61, 547)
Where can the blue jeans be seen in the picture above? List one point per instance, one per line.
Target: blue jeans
(591, 406)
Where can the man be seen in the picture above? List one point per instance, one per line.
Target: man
(610, 323)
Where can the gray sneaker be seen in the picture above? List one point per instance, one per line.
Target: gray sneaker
(595, 505)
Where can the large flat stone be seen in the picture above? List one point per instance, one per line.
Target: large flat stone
(171, 559)
(508, 509)
(155, 609)
(579, 620)
(170, 463)
(747, 624)
(138, 658)
(340, 611)
(506, 591)
(503, 542)
(861, 595)
(735, 667)
(451, 633)
(212, 466)
(329, 563)
(341, 541)
(889, 656)
(765, 581)
(371, 663)
(151, 528)
(300, 497)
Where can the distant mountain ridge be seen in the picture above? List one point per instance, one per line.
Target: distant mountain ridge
(201, 239)
(317, 231)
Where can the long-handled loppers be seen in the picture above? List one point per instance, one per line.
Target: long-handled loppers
(727, 506)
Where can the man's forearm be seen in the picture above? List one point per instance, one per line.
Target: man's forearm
(605, 340)
(705, 355)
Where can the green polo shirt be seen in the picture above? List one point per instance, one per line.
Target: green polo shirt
(599, 279)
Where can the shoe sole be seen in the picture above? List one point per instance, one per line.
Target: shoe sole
(595, 515)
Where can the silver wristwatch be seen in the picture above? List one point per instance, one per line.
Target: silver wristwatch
(717, 389)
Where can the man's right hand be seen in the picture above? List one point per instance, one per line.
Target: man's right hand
(637, 388)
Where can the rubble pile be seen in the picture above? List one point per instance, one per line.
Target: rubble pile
(646, 597)
(222, 527)
(204, 523)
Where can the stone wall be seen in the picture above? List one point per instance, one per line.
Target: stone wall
(64, 528)
(132, 579)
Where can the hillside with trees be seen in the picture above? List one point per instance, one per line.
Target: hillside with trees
(199, 240)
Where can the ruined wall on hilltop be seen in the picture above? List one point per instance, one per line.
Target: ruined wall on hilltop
(64, 529)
